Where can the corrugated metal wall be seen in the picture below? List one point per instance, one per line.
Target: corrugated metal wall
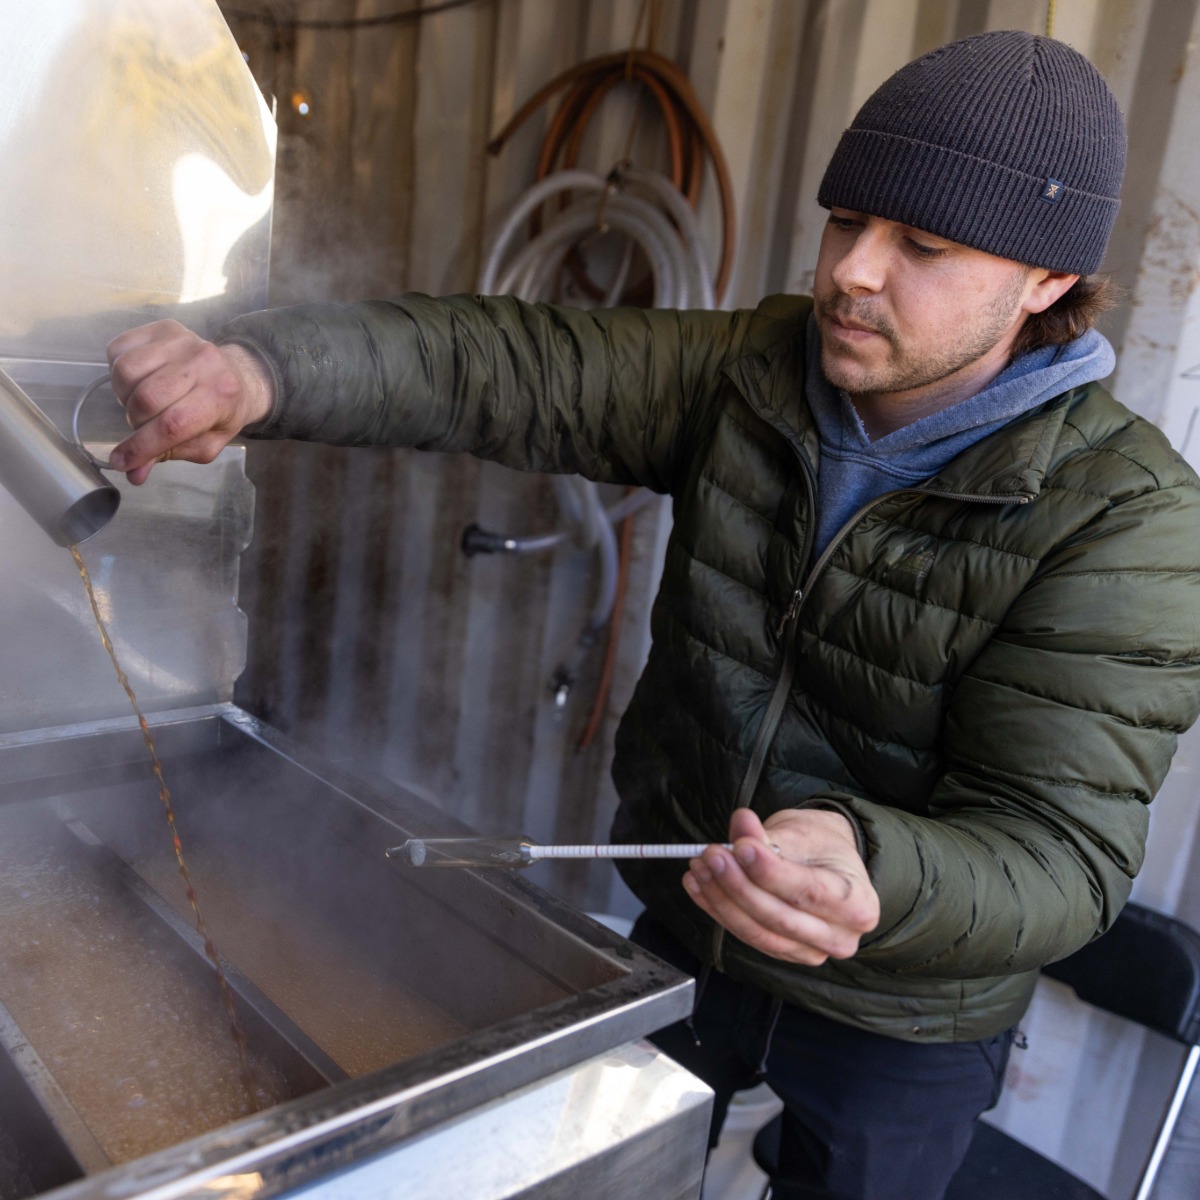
(373, 635)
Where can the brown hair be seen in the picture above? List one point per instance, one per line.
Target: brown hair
(1071, 315)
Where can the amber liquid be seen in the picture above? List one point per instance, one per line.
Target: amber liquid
(164, 795)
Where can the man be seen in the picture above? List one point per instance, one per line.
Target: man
(930, 618)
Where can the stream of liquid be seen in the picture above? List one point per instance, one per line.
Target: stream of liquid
(164, 795)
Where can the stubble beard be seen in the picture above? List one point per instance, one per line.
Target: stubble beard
(908, 368)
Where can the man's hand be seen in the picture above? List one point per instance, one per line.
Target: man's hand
(185, 397)
(810, 901)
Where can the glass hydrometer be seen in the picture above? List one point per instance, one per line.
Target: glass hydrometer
(515, 852)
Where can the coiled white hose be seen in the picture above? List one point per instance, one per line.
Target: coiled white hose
(642, 223)
(676, 255)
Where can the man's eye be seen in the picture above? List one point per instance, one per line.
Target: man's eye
(924, 251)
(842, 222)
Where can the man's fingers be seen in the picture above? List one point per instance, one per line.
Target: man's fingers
(188, 429)
(201, 449)
(826, 887)
(132, 339)
(148, 360)
(792, 923)
(154, 378)
(183, 396)
(745, 823)
(797, 937)
(154, 394)
(139, 475)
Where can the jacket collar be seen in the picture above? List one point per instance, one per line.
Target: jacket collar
(769, 374)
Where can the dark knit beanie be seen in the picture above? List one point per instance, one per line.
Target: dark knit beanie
(1008, 142)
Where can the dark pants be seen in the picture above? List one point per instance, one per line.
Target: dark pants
(866, 1117)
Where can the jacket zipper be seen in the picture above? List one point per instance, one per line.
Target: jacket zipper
(786, 629)
(789, 622)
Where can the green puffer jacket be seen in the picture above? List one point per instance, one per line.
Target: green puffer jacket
(987, 673)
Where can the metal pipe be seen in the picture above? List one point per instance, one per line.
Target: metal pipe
(52, 478)
(483, 541)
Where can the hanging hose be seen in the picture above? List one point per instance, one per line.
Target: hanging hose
(555, 242)
(690, 134)
(608, 666)
(679, 269)
(676, 255)
(654, 214)
(642, 223)
(566, 674)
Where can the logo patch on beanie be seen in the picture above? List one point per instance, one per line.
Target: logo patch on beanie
(1052, 190)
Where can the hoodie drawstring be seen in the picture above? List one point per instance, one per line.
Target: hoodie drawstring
(772, 1022)
(701, 983)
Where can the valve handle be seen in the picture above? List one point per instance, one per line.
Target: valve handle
(87, 393)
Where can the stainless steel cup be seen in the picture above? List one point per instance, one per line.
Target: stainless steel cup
(54, 479)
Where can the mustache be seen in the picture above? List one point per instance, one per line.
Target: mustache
(854, 311)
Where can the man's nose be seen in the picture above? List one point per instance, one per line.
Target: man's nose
(863, 268)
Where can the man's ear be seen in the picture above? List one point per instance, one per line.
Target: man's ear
(1048, 288)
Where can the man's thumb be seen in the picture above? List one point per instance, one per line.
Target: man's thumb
(745, 824)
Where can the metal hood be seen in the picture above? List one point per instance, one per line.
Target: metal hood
(138, 173)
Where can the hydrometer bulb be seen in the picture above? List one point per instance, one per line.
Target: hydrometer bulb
(515, 852)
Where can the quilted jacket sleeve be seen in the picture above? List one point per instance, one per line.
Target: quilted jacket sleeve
(612, 395)
(1057, 738)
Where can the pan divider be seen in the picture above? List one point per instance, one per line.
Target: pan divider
(51, 1137)
(304, 1064)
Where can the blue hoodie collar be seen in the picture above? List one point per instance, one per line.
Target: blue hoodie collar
(922, 448)
(854, 470)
